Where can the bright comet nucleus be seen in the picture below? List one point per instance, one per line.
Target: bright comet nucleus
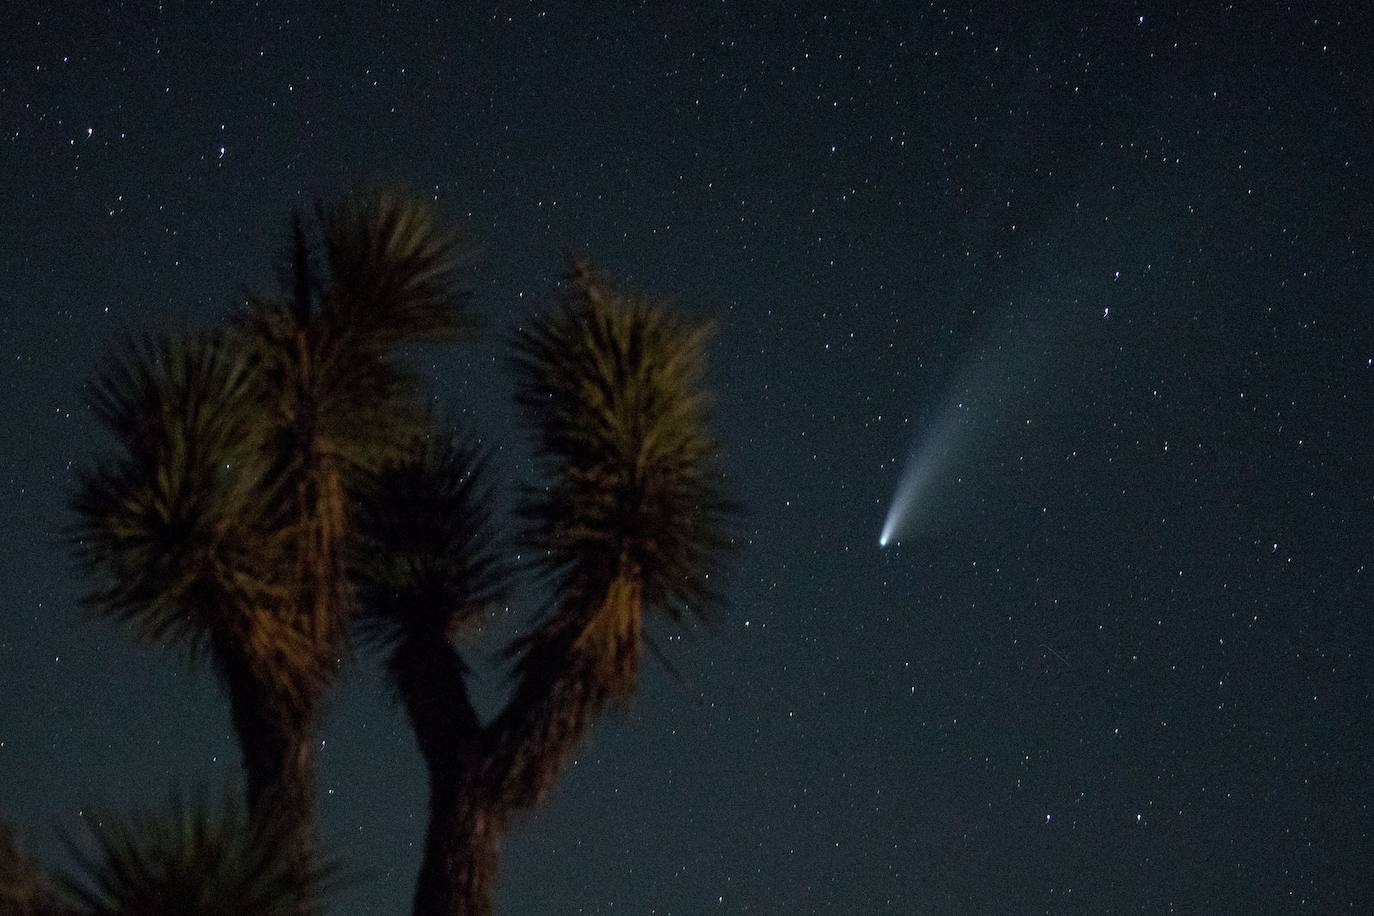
(931, 456)
(987, 388)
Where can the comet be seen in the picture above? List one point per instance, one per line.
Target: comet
(927, 465)
(1031, 361)
(936, 470)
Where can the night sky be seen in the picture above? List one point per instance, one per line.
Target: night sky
(1103, 274)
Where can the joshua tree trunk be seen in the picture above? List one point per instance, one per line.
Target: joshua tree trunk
(462, 854)
(276, 732)
(462, 841)
(574, 665)
(480, 778)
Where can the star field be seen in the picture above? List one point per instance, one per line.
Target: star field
(1122, 665)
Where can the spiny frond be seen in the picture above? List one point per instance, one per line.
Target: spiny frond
(23, 888)
(330, 339)
(329, 393)
(179, 524)
(392, 269)
(429, 560)
(630, 519)
(613, 386)
(192, 859)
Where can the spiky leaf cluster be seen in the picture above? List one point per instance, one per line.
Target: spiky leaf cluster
(180, 526)
(613, 386)
(224, 511)
(195, 858)
(429, 560)
(392, 269)
(23, 889)
(330, 343)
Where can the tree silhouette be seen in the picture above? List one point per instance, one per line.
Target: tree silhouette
(191, 859)
(628, 519)
(222, 520)
(278, 478)
(24, 890)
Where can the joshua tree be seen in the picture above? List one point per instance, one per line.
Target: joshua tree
(221, 521)
(628, 519)
(24, 891)
(191, 860)
(277, 474)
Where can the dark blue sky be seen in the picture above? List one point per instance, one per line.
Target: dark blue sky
(1125, 663)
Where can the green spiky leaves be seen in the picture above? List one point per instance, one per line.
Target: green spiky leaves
(429, 561)
(23, 888)
(227, 497)
(195, 858)
(630, 517)
(179, 527)
(392, 269)
(330, 344)
(275, 480)
(613, 386)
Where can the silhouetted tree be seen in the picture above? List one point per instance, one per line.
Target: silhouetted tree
(24, 890)
(192, 860)
(277, 476)
(221, 521)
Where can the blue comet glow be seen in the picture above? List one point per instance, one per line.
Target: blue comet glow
(924, 467)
